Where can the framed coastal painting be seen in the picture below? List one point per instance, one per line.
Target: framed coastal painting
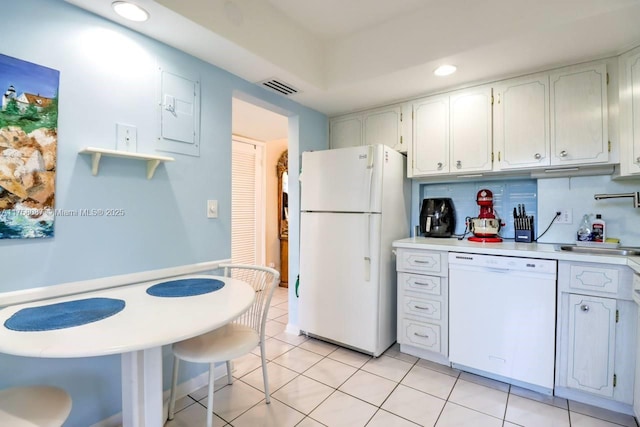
(28, 147)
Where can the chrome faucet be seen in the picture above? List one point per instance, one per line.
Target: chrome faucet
(635, 196)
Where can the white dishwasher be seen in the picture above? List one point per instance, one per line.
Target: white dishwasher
(502, 316)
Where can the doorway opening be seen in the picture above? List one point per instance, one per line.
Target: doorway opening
(260, 137)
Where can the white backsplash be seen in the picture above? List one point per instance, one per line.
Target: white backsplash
(622, 219)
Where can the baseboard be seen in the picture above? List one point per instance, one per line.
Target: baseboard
(183, 389)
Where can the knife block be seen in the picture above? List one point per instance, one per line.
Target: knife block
(525, 236)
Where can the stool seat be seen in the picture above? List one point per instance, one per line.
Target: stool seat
(34, 406)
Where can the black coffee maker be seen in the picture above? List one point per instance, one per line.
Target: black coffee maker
(437, 218)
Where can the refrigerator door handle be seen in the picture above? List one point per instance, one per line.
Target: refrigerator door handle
(367, 251)
(370, 167)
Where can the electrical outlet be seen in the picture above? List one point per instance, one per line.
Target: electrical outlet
(566, 216)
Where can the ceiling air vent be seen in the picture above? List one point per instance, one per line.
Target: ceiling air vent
(277, 86)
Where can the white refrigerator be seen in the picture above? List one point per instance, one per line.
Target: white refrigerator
(355, 203)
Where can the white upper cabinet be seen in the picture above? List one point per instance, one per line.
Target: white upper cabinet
(470, 130)
(452, 133)
(346, 131)
(378, 126)
(521, 123)
(630, 112)
(579, 115)
(430, 149)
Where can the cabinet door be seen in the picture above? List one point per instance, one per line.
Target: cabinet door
(579, 129)
(630, 112)
(382, 126)
(521, 123)
(470, 130)
(345, 131)
(430, 148)
(591, 344)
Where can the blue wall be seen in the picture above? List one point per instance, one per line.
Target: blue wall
(108, 75)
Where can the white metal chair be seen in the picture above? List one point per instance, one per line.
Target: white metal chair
(234, 339)
(34, 406)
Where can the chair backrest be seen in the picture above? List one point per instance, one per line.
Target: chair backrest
(264, 281)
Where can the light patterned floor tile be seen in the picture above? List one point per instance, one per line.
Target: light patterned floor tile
(193, 416)
(292, 339)
(284, 319)
(480, 398)
(394, 351)
(487, 382)
(274, 328)
(275, 312)
(330, 372)
(202, 392)
(388, 367)
(414, 405)
(539, 397)
(580, 420)
(432, 382)
(387, 419)
(273, 348)
(349, 357)
(368, 387)
(274, 414)
(185, 402)
(245, 364)
(277, 376)
(458, 416)
(317, 346)
(438, 367)
(603, 414)
(232, 400)
(309, 422)
(298, 359)
(303, 394)
(530, 413)
(342, 410)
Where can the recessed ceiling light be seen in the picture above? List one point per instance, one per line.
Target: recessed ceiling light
(130, 11)
(445, 70)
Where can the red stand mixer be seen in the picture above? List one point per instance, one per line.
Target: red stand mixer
(486, 226)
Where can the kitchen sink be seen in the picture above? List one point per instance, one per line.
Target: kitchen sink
(601, 251)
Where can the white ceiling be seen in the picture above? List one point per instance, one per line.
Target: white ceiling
(345, 55)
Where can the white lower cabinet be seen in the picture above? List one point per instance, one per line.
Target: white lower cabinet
(596, 335)
(423, 304)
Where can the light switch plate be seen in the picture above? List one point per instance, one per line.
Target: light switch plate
(126, 138)
(212, 209)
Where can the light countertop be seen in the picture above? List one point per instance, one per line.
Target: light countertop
(511, 248)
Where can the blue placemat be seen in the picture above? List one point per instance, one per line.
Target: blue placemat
(64, 314)
(185, 288)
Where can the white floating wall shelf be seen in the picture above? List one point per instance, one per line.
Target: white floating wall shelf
(152, 160)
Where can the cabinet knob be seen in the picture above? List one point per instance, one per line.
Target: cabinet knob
(563, 153)
(584, 307)
(458, 164)
(538, 156)
(637, 159)
(440, 165)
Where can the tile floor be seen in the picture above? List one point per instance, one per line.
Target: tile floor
(314, 383)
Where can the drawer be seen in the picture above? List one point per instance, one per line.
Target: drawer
(430, 309)
(594, 278)
(423, 335)
(431, 285)
(422, 261)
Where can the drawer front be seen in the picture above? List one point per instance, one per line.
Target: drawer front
(594, 278)
(423, 335)
(430, 285)
(429, 309)
(421, 261)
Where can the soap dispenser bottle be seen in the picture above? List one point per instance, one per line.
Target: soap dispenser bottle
(598, 229)
(584, 231)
